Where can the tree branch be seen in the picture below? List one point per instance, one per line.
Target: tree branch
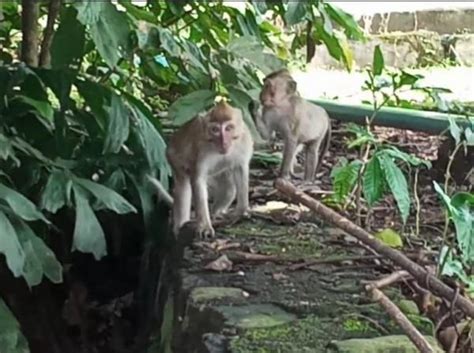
(48, 34)
(29, 29)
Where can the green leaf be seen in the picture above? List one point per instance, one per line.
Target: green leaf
(260, 5)
(108, 28)
(39, 259)
(455, 130)
(7, 151)
(88, 234)
(296, 12)
(169, 42)
(390, 237)
(251, 49)
(187, 107)
(10, 246)
(43, 108)
(68, 41)
(118, 125)
(406, 157)
(138, 12)
(373, 181)
(152, 143)
(11, 338)
(345, 20)
(107, 198)
(57, 192)
(344, 176)
(241, 100)
(20, 205)
(378, 62)
(398, 184)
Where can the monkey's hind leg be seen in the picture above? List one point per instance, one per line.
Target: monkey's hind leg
(311, 160)
(182, 202)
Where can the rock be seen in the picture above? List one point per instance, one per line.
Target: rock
(255, 316)
(392, 344)
(207, 294)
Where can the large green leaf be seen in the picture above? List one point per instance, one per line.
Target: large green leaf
(118, 125)
(11, 338)
(378, 62)
(296, 12)
(68, 41)
(6, 150)
(344, 176)
(108, 27)
(57, 192)
(398, 184)
(138, 12)
(39, 259)
(107, 197)
(88, 233)
(188, 106)
(20, 205)
(169, 42)
(406, 157)
(373, 181)
(10, 246)
(250, 48)
(241, 99)
(42, 108)
(345, 20)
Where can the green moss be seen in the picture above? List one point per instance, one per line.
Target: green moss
(354, 325)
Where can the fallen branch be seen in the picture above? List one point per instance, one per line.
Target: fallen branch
(413, 334)
(390, 279)
(419, 273)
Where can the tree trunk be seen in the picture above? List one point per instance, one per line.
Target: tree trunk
(29, 28)
(48, 34)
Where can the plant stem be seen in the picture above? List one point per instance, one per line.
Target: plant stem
(417, 202)
(48, 34)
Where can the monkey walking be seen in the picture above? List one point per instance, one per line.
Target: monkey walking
(209, 156)
(298, 121)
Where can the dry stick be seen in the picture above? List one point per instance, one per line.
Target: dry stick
(418, 272)
(413, 334)
(390, 279)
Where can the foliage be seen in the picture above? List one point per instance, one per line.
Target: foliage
(382, 166)
(11, 338)
(78, 134)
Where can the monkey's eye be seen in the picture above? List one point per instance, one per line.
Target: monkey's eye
(229, 127)
(215, 129)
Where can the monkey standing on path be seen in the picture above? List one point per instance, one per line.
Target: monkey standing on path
(295, 119)
(211, 151)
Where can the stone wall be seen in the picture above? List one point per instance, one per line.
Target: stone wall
(421, 38)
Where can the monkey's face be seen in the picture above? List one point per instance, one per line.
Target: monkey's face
(277, 90)
(221, 135)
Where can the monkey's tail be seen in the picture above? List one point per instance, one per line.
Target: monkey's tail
(326, 146)
(165, 196)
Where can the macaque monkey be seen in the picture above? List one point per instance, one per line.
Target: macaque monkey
(209, 156)
(298, 121)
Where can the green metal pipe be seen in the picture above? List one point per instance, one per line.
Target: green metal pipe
(430, 122)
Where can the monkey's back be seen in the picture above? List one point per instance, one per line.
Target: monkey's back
(315, 121)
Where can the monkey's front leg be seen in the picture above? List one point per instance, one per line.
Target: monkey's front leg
(288, 157)
(241, 178)
(200, 195)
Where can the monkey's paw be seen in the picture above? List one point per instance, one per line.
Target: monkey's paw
(205, 231)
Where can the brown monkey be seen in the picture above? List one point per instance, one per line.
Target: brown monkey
(212, 151)
(295, 119)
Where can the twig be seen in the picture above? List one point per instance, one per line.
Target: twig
(390, 279)
(419, 273)
(417, 203)
(395, 313)
(240, 256)
(332, 261)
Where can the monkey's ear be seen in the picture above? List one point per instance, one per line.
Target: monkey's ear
(291, 88)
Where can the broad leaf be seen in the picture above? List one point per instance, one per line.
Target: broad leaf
(88, 234)
(389, 237)
(11, 247)
(23, 207)
(345, 20)
(118, 125)
(344, 176)
(398, 184)
(11, 338)
(6, 150)
(107, 198)
(68, 41)
(455, 130)
(378, 61)
(187, 107)
(296, 12)
(108, 27)
(169, 42)
(39, 259)
(43, 108)
(406, 157)
(373, 181)
(57, 192)
(138, 12)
